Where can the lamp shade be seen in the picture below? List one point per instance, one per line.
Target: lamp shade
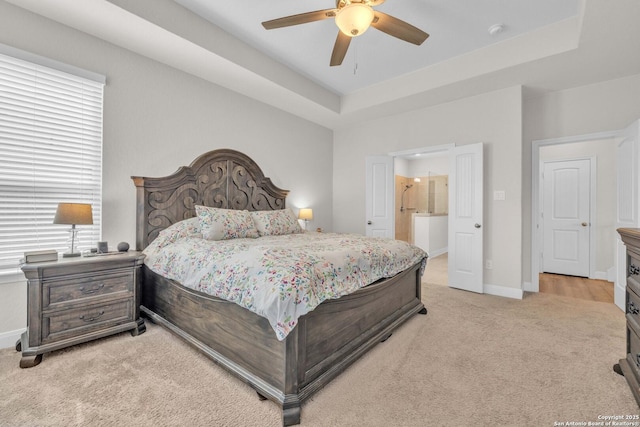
(354, 19)
(74, 213)
(306, 214)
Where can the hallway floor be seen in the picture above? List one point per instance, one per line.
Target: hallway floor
(576, 287)
(556, 284)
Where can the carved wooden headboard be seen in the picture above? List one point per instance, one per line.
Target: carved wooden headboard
(221, 178)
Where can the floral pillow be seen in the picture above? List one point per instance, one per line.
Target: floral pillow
(276, 223)
(223, 224)
(185, 228)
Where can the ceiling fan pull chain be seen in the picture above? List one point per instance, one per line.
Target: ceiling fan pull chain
(355, 59)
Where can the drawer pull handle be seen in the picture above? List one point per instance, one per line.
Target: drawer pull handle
(632, 308)
(633, 270)
(92, 290)
(92, 318)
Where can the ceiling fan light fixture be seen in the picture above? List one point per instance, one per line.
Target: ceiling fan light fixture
(354, 18)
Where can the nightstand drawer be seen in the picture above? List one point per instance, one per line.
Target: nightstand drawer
(86, 286)
(70, 323)
(633, 310)
(633, 357)
(633, 269)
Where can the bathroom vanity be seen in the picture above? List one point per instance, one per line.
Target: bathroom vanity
(430, 232)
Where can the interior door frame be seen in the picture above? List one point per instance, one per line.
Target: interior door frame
(423, 150)
(534, 285)
(444, 148)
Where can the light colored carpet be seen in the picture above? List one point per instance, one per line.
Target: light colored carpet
(437, 271)
(473, 360)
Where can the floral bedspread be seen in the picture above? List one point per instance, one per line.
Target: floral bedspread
(280, 277)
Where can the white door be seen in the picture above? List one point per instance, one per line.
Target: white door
(379, 195)
(626, 201)
(465, 218)
(566, 218)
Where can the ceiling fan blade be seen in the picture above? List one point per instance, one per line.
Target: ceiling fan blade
(397, 28)
(301, 18)
(340, 49)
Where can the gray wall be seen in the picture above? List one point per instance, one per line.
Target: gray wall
(495, 119)
(157, 119)
(606, 106)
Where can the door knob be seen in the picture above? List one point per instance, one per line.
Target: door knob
(477, 225)
(584, 224)
(369, 223)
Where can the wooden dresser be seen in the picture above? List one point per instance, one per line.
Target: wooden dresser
(630, 365)
(75, 300)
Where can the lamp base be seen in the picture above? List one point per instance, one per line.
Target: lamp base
(70, 254)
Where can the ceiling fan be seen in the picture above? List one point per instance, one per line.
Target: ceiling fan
(353, 18)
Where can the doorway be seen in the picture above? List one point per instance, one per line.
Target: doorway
(422, 201)
(601, 224)
(577, 287)
(465, 212)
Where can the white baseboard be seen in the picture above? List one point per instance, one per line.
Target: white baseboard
(503, 291)
(10, 338)
(438, 252)
(601, 275)
(528, 287)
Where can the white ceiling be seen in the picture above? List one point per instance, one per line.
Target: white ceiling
(548, 45)
(455, 27)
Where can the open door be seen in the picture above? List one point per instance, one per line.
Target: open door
(628, 189)
(379, 197)
(465, 218)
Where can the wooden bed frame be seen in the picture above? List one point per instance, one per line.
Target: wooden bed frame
(323, 343)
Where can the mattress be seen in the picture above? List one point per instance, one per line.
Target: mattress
(278, 277)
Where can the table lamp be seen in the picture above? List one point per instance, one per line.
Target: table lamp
(305, 214)
(73, 214)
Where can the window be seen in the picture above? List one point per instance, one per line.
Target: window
(50, 152)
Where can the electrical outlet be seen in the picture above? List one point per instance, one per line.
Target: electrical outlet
(488, 264)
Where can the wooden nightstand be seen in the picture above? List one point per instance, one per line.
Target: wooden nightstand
(75, 300)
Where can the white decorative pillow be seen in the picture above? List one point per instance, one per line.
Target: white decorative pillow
(276, 223)
(223, 224)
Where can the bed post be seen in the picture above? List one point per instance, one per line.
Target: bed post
(291, 410)
(291, 403)
(141, 215)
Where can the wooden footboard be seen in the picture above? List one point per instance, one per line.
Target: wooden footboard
(320, 347)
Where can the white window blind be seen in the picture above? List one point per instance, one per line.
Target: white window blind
(50, 152)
